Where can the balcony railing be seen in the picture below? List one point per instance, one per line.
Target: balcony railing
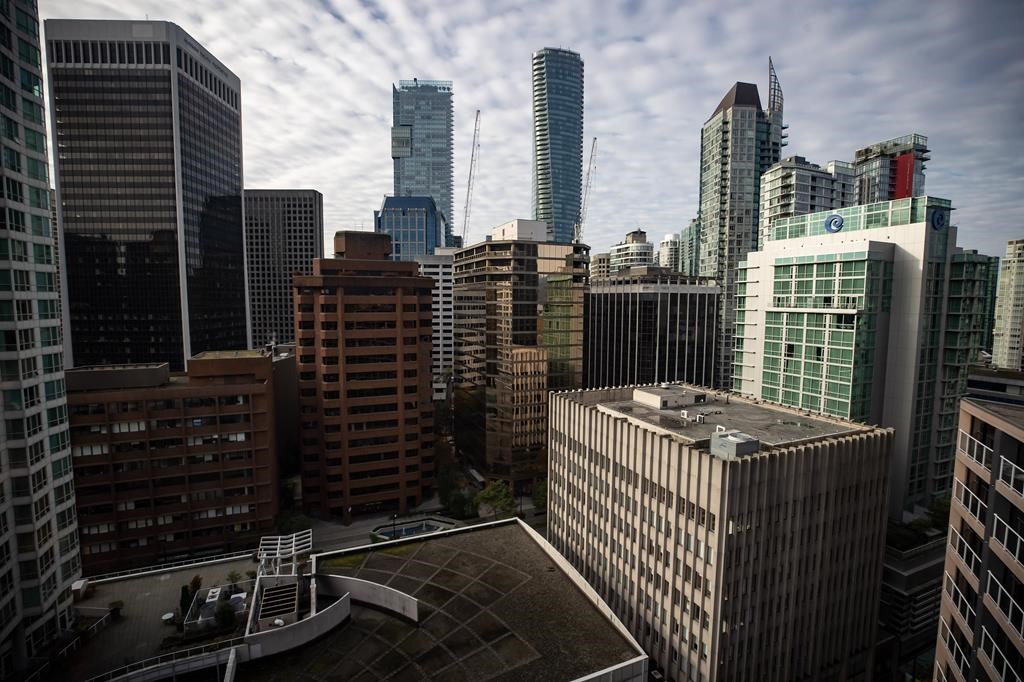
(962, 604)
(1012, 475)
(996, 658)
(940, 674)
(962, 662)
(964, 551)
(1008, 538)
(969, 501)
(1010, 609)
(976, 450)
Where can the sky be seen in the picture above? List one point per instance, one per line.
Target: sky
(317, 74)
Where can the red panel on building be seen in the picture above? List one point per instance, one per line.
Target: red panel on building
(904, 176)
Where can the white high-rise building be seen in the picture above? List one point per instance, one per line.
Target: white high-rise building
(1007, 350)
(794, 186)
(440, 268)
(634, 252)
(669, 252)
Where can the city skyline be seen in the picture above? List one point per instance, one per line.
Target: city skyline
(646, 97)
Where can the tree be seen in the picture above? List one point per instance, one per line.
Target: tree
(196, 584)
(497, 498)
(447, 485)
(185, 601)
(540, 497)
(234, 577)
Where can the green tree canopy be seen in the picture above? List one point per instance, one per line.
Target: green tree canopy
(498, 497)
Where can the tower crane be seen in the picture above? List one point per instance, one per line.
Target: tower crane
(474, 159)
(581, 219)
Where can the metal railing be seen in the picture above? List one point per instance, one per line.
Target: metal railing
(964, 551)
(1011, 541)
(1012, 475)
(72, 646)
(167, 658)
(972, 448)
(962, 604)
(213, 558)
(1010, 609)
(996, 657)
(940, 674)
(962, 662)
(969, 501)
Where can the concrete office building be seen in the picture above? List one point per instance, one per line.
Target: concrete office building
(1007, 347)
(735, 540)
(557, 141)
(518, 335)
(155, 270)
(440, 268)
(38, 532)
(981, 626)
(669, 252)
(738, 143)
(893, 169)
(363, 342)
(422, 144)
(284, 232)
(600, 265)
(416, 225)
(648, 325)
(170, 466)
(868, 313)
(635, 251)
(794, 186)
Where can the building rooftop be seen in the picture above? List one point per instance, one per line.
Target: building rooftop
(228, 354)
(1008, 412)
(742, 95)
(661, 408)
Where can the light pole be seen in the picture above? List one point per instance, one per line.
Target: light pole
(394, 520)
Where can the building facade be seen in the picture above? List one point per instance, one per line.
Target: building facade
(868, 313)
(981, 632)
(440, 267)
(518, 335)
(600, 265)
(172, 466)
(557, 141)
(1007, 347)
(634, 252)
(669, 252)
(649, 325)
(155, 270)
(423, 144)
(893, 169)
(363, 343)
(675, 503)
(738, 143)
(284, 232)
(39, 557)
(794, 186)
(415, 224)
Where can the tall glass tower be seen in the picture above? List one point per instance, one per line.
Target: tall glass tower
(422, 144)
(557, 140)
(149, 192)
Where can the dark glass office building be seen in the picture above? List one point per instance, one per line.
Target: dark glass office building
(416, 225)
(557, 140)
(147, 126)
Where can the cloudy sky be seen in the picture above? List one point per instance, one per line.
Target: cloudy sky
(317, 74)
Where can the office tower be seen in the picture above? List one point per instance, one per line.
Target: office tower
(600, 265)
(735, 540)
(518, 335)
(284, 232)
(668, 252)
(635, 251)
(557, 140)
(893, 169)
(867, 313)
(1007, 349)
(794, 186)
(171, 466)
(422, 144)
(362, 331)
(981, 626)
(738, 143)
(38, 532)
(149, 193)
(649, 325)
(415, 224)
(440, 268)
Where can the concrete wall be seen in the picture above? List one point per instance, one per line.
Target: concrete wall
(633, 670)
(372, 593)
(276, 640)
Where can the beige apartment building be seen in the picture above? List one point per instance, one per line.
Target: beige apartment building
(981, 621)
(737, 540)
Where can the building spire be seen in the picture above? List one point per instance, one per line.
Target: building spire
(774, 90)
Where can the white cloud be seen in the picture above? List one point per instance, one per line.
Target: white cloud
(317, 77)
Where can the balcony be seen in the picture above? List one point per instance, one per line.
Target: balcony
(1011, 541)
(995, 658)
(962, 664)
(1004, 601)
(964, 551)
(975, 450)
(970, 502)
(1013, 476)
(959, 601)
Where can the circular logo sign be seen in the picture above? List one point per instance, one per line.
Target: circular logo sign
(938, 219)
(834, 223)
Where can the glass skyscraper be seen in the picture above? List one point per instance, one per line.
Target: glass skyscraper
(557, 140)
(422, 143)
(415, 224)
(149, 191)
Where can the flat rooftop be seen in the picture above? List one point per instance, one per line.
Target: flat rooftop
(1009, 412)
(228, 354)
(493, 606)
(773, 425)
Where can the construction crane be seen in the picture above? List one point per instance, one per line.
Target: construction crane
(581, 219)
(474, 159)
